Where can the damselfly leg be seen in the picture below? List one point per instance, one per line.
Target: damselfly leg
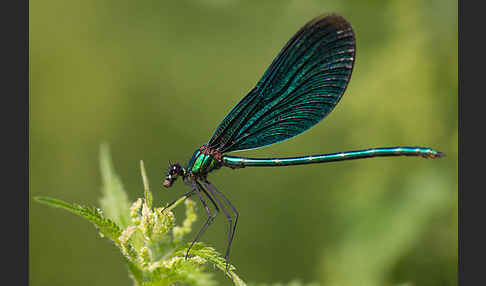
(232, 227)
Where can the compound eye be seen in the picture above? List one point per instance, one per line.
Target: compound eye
(174, 171)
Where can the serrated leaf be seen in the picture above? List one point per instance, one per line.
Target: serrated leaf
(114, 201)
(108, 227)
(211, 255)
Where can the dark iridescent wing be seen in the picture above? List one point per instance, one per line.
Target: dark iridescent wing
(301, 86)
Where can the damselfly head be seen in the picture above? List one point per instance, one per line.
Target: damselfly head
(173, 172)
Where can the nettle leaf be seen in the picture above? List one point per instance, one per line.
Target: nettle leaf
(106, 226)
(114, 201)
(211, 255)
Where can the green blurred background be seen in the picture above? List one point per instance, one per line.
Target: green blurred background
(154, 78)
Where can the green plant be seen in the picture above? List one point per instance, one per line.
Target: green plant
(148, 237)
